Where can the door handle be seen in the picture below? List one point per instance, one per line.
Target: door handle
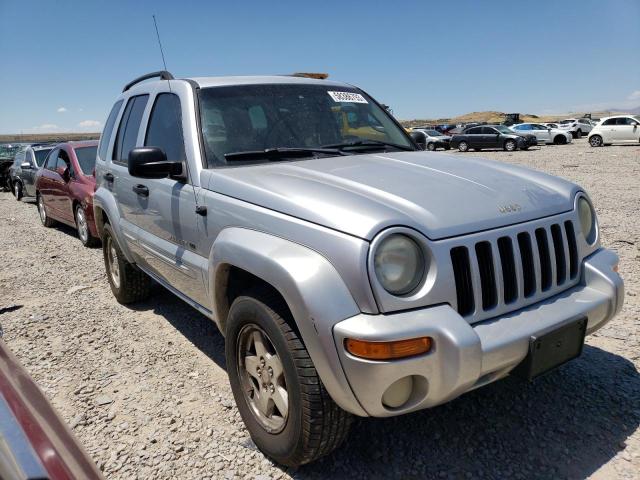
(141, 190)
(108, 177)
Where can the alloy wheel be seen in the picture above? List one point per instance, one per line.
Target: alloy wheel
(510, 146)
(41, 210)
(112, 263)
(262, 378)
(81, 222)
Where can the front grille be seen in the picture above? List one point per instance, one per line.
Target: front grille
(519, 268)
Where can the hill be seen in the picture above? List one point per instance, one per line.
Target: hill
(47, 137)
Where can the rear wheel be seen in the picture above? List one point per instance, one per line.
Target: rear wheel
(463, 146)
(431, 146)
(559, 140)
(127, 283)
(17, 190)
(595, 141)
(42, 211)
(282, 401)
(510, 145)
(82, 225)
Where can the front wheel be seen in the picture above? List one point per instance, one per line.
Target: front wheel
(595, 141)
(17, 190)
(510, 145)
(463, 146)
(82, 225)
(127, 283)
(431, 147)
(559, 140)
(282, 401)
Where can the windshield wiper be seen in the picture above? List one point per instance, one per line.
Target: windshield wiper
(280, 153)
(368, 144)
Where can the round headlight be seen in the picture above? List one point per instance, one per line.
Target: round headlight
(399, 264)
(587, 220)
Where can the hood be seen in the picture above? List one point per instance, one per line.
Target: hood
(438, 194)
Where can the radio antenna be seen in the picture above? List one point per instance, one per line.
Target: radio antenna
(200, 209)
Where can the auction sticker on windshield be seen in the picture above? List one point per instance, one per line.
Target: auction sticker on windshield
(347, 97)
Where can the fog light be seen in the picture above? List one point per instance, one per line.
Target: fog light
(398, 393)
(388, 350)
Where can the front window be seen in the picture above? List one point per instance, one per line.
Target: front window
(254, 118)
(86, 158)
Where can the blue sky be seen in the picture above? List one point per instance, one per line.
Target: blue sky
(62, 63)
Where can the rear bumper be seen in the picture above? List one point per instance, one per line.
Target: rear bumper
(465, 356)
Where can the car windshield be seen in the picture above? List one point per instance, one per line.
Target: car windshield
(503, 129)
(87, 158)
(637, 118)
(252, 118)
(41, 155)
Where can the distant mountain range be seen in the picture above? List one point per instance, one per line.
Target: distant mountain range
(634, 111)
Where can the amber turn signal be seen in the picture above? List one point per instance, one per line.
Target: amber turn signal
(388, 350)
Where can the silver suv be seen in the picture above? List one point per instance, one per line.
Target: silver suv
(350, 273)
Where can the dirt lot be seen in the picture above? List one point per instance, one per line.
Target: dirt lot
(146, 392)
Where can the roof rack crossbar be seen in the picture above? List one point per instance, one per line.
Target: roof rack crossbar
(162, 74)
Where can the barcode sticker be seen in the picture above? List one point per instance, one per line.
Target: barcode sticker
(347, 97)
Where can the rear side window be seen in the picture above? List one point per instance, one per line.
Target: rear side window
(108, 129)
(86, 159)
(473, 131)
(165, 127)
(488, 131)
(611, 121)
(129, 127)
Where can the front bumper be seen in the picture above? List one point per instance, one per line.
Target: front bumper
(466, 356)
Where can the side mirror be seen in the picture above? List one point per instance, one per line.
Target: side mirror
(420, 139)
(25, 166)
(151, 162)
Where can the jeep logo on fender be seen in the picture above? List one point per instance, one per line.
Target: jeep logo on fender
(509, 208)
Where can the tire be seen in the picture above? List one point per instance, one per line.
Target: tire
(596, 141)
(431, 146)
(510, 145)
(128, 283)
(447, 147)
(578, 134)
(463, 146)
(17, 190)
(559, 140)
(312, 425)
(42, 212)
(82, 226)
(477, 149)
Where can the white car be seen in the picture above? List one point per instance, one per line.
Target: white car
(576, 126)
(619, 129)
(434, 139)
(544, 133)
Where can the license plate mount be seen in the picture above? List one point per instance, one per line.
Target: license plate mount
(552, 349)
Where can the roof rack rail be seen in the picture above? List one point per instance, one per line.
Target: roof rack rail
(162, 74)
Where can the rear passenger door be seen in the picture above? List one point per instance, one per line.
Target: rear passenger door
(490, 137)
(474, 137)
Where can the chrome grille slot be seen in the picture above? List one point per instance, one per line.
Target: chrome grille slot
(545, 259)
(558, 247)
(462, 273)
(487, 276)
(509, 269)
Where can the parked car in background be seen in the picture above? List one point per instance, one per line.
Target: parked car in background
(435, 139)
(543, 133)
(65, 187)
(23, 170)
(8, 153)
(492, 136)
(618, 129)
(35, 443)
(576, 126)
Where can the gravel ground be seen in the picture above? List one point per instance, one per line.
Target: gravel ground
(146, 392)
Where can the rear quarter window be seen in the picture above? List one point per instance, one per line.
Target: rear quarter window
(108, 129)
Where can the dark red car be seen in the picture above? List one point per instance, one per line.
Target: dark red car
(64, 188)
